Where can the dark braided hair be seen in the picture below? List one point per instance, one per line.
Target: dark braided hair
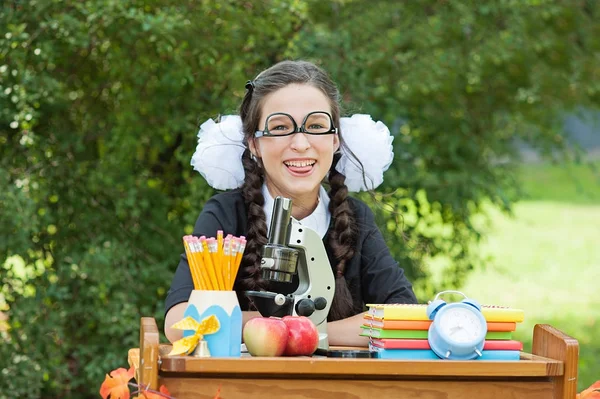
(343, 235)
(257, 225)
(341, 240)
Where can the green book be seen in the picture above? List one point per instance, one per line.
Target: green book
(421, 334)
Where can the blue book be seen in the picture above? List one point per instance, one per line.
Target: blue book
(427, 354)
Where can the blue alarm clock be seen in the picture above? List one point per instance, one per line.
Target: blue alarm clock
(458, 329)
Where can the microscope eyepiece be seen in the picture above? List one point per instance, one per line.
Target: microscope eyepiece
(280, 221)
(279, 261)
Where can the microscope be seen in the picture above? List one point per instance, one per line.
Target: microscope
(295, 250)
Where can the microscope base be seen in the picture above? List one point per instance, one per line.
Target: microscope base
(323, 336)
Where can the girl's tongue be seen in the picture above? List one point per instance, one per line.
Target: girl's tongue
(299, 169)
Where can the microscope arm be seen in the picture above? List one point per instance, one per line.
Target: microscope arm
(316, 281)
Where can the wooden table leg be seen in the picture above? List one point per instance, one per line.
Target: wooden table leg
(552, 343)
(148, 368)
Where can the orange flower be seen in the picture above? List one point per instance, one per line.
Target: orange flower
(115, 385)
(152, 395)
(593, 392)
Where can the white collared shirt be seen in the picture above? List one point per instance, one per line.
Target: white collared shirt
(318, 220)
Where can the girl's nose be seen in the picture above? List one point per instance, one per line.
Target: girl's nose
(300, 142)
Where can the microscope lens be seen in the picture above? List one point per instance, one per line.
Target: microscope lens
(279, 263)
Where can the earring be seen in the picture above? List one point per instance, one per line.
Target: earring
(253, 157)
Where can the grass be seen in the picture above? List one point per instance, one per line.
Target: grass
(572, 184)
(546, 259)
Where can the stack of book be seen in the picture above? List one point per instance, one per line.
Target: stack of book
(399, 331)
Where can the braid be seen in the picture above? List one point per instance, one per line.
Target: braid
(342, 236)
(257, 225)
(341, 239)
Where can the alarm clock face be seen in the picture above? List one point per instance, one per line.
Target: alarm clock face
(460, 325)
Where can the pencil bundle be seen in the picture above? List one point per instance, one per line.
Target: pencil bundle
(214, 262)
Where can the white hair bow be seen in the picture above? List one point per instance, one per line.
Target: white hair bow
(218, 155)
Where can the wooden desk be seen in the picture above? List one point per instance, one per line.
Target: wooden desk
(550, 372)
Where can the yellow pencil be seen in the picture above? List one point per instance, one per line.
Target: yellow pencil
(221, 267)
(200, 264)
(214, 252)
(209, 263)
(220, 244)
(234, 262)
(192, 265)
(239, 255)
(226, 257)
(235, 255)
(206, 283)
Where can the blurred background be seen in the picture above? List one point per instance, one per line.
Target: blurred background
(494, 105)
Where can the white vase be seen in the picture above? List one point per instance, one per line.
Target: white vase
(225, 306)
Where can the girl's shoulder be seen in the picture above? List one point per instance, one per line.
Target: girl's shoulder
(230, 196)
(228, 210)
(364, 217)
(361, 209)
(226, 201)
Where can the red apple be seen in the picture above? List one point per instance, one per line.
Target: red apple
(265, 336)
(303, 336)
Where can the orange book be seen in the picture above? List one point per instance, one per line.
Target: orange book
(371, 321)
(397, 324)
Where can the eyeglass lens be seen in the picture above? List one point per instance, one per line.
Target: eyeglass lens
(316, 123)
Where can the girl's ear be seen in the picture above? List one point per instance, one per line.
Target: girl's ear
(336, 142)
(253, 148)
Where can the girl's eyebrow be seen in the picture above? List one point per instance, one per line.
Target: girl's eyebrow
(278, 117)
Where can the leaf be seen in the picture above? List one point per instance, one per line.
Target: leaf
(592, 392)
(115, 385)
(163, 389)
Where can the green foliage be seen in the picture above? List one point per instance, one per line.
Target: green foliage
(100, 102)
(459, 82)
(21, 375)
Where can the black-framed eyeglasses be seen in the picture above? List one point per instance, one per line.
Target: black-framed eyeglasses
(280, 124)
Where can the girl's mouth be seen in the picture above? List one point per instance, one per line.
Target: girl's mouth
(300, 168)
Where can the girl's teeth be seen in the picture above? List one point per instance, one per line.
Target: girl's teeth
(299, 164)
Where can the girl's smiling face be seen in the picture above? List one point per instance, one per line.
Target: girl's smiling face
(295, 165)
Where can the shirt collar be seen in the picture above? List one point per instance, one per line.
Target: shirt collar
(318, 220)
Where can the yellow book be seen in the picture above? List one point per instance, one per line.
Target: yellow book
(491, 313)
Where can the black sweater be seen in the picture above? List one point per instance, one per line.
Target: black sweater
(372, 275)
